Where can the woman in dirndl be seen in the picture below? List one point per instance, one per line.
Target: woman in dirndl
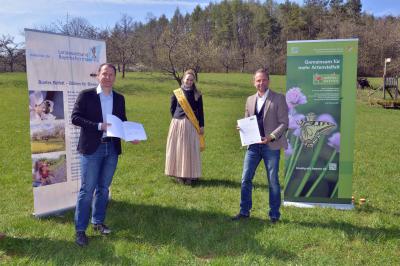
(183, 160)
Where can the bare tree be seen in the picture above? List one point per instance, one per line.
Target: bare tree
(225, 57)
(170, 55)
(123, 43)
(151, 34)
(75, 26)
(244, 42)
(10, 52)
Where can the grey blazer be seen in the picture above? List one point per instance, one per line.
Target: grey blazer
(276, 119)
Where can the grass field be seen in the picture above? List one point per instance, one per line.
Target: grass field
(158, 222)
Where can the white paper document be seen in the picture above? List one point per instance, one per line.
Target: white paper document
(249, 132)
(127, 130)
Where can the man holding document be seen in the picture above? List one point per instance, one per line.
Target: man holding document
(99, 152)
(266, 121)
(128, 131)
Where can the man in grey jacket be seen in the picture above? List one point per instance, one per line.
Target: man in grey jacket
(271, 111)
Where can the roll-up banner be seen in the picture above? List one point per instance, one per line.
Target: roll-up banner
(58, 68)
(321, 90)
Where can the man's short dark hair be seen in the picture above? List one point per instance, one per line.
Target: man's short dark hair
(262, 70)
(109, 65)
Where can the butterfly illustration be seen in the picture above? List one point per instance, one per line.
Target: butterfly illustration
(312, 130)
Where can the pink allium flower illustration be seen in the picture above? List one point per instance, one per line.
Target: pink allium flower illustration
(289, 150)
(327, 118)
(334, 141)
(293, 119)
(294, 97)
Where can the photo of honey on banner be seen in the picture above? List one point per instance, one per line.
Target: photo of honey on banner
(320, 97)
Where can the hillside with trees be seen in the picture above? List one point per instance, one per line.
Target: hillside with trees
(231, 36)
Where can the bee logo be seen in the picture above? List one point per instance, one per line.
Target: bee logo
(312, 130)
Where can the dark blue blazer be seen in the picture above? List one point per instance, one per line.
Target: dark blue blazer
(87, 115)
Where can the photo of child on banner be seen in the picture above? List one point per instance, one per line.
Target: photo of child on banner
(48, 170)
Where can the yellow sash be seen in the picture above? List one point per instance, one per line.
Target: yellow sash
(183, 102)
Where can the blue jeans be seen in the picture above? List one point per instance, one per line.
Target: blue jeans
(97, 170)
(254, 154)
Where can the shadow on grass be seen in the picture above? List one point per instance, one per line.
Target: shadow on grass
(58, 252)
(225, 183)
(205, 234)
(355, 231)
(217, 183)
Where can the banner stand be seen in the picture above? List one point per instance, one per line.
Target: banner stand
(321, 95)
(59, 212)
(322, 205)
(59, 67)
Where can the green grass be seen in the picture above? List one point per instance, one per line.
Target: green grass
(158, 222)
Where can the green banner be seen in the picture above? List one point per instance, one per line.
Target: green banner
(321, 89)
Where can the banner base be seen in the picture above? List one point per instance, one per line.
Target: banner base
(322, 205)
(59, 212)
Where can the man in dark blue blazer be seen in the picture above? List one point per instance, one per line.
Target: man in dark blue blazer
(99, 153)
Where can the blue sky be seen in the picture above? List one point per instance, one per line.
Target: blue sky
(15, 15)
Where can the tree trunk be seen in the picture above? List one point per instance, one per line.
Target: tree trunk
(177, 78)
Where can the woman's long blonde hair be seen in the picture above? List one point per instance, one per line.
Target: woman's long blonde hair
(197, 93)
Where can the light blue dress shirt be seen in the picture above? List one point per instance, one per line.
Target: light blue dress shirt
(106, 105)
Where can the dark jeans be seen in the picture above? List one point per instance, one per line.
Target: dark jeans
(254, 154)
(96, 176)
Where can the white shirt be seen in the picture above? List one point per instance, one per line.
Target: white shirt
(261, 100)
